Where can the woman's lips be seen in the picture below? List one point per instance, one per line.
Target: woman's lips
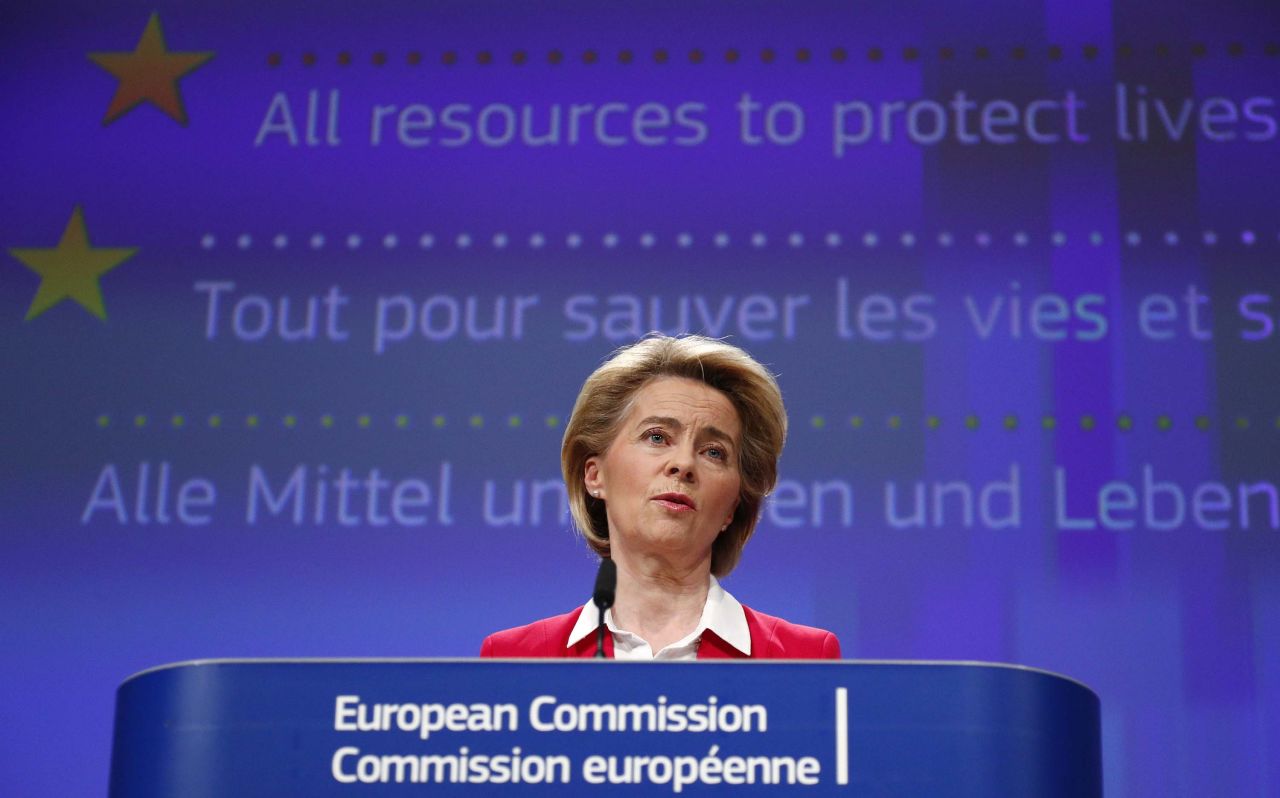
(677, 502)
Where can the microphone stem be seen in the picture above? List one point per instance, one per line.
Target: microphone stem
(600, 632)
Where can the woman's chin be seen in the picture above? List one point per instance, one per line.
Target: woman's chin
(669, 540)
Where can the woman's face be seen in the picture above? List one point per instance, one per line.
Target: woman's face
(670, 478)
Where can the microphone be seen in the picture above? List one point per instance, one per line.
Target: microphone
(602, 597)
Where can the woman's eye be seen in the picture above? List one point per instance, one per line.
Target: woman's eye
(716, 452)
(656, 436)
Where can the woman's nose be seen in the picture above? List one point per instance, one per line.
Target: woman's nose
(680, 470)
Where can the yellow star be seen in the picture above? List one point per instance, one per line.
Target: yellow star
(71, 269)
(150, 73)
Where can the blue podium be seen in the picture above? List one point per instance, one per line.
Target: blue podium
(592, 727)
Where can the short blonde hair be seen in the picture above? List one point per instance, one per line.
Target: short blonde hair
(606, 399)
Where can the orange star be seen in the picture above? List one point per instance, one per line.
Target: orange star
(71, 269)
(150, 73)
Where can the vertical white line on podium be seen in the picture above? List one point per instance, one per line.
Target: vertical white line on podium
(842, 735)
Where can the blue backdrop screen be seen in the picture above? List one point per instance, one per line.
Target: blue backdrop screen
(296, 300)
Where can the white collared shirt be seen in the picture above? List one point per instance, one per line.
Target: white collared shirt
(721, 614)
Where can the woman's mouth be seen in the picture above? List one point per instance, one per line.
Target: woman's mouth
(676, 502)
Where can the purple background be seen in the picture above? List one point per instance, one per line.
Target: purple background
(1176, 629)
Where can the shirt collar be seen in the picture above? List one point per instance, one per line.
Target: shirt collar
(721, 614)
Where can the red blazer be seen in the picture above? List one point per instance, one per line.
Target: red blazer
(771, 638)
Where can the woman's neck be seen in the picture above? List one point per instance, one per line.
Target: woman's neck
(659, 601)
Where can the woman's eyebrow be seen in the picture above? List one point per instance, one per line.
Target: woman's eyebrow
(716, 432)
(661, 421)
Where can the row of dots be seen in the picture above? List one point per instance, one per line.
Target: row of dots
(293, 421)
(1124, 422)
(1088, 422)
(721, 240)
(770, 55)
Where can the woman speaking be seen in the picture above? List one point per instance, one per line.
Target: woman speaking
(672, 446)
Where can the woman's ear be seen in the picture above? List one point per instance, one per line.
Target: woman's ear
(732, 512)
(592, 479)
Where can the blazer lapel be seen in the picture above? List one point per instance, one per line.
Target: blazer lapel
(586, 647)
(712, 647)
